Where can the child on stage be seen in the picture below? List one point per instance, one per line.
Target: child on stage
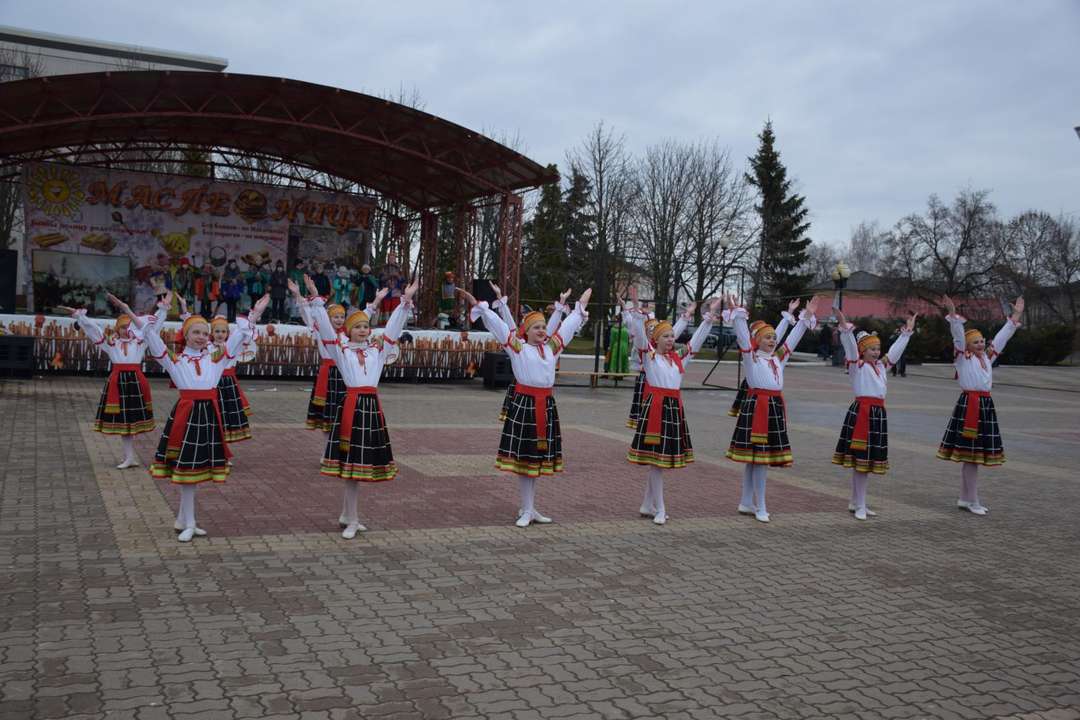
(864, 438)
(787, 319)
(760, 439)
(126, 408)
(358, 446)
(972, 436)
(192, 448)
(531, 443)
(500, 304)
(662, 440)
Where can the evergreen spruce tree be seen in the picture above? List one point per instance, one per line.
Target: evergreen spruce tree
(583, 264)
(783, 252)
(544, 261)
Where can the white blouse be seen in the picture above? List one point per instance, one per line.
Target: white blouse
(975, 371)
(660, 370)
(196, 369)
(120, 351)
(533, 365)
(360, 364)
(631, 328)
(868, 378)
(764, 370)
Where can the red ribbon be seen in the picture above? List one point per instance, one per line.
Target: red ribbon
(112, 398)
(183, 413)
(971, 413)
(759, 428)
(674, 357)
(322, 381)
(231, 372)
(539, 396)
(348, 413)
(860, 436)
(656, 410)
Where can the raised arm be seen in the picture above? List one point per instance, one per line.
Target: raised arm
(739, 317)
(956, 325)
(499, 305)
(573, 321)
(703, 330)
(494, 324)
(636, 327)
(683, 321)
(152, 335)
(806, 318)
(396, 323)
(847, 336)
(1007, 330)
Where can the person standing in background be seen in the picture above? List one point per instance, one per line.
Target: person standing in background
(322, 280)
(279, 287)
(366, 286)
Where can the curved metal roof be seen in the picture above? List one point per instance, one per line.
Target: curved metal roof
(403, 153)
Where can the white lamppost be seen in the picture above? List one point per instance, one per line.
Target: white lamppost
(840, 275)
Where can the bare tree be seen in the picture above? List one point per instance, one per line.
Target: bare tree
(661, 216)
(868, 246)
(719, 211)
(19, 65)
(821, 259)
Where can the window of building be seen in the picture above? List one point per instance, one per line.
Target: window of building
(13, 72)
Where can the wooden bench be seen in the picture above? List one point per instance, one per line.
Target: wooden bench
(595, 377)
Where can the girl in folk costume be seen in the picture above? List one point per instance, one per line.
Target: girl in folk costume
(531, 443)
(787, 320)
(662, 441)
(358, 446)
(192, 448)
(501, 306)
(972, 436)
(235, 408)
(645, 327)
(328, 390)
(864, 438)
(761, 439)
(126, 408)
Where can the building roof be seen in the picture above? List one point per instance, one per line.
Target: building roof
(398, 151)
(39, 39)
(860, 281)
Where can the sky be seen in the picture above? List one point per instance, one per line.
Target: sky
(875, 105)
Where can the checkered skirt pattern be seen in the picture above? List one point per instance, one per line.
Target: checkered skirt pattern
(321, 417)
(675, 449)
(740, 395)
(635, 404)
(506, 402)
(233, 412)
(875, 457)
(777, 451)
(136, 412)
(369, 457)
(986, 448)
(518, 453)
(202, 454)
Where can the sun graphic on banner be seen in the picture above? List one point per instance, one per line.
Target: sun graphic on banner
(55, 190)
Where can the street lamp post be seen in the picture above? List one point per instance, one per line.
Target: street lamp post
(840, 275)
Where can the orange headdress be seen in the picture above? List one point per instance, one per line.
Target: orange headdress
(355, 318)
(533, 317)
(867, 340)
(759, 328)
(972, 335)
(659, 329)
(122, 322)
(191, 321)
(219, 321)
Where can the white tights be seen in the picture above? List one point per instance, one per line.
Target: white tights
(753, 486)
(859, 481)
(350, 501)
(527, 486)
(185, 518)
(654, 490)
(969, 483)
(128, 443)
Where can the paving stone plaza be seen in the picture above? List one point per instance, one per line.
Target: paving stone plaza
(444, 609)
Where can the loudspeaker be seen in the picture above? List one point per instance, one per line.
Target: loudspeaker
(9, 273)
(481, 290)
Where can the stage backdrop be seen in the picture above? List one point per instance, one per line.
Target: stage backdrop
(163, 223)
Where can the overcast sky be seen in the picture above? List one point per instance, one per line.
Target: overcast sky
(875, 105)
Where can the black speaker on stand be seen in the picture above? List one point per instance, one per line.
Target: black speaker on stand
(9, 273)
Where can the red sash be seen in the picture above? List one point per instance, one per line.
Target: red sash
(656, 410)
(540, 396)
(759, 428)
(231, 372)
(348, 413)
(322, 380)
(971, 414)
(112, 397)
(183, 413)
(860, 436)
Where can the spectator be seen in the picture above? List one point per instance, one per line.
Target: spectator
(207, 290)
(366, 286)
(322, 280)
(279, 287)
(256, 280)
(342, 286)
(825, 336)
(392, 281)
(232, 288)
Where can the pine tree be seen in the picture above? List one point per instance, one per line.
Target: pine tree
(544, 262)
(583, 263)
(783, 253)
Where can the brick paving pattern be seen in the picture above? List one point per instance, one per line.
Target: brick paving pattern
(444, 610)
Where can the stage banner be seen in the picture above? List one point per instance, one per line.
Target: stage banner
(177, 230)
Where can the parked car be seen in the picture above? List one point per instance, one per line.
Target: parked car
(719, 335)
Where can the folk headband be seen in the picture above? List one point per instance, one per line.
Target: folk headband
(355, 318)
(659, 329)
(867, 340)
(534, 317)
(335, 309)
(123, 321)
(219, 321)
(973, 335)
(191, 322)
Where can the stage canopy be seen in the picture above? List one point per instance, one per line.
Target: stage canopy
(426, 163)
